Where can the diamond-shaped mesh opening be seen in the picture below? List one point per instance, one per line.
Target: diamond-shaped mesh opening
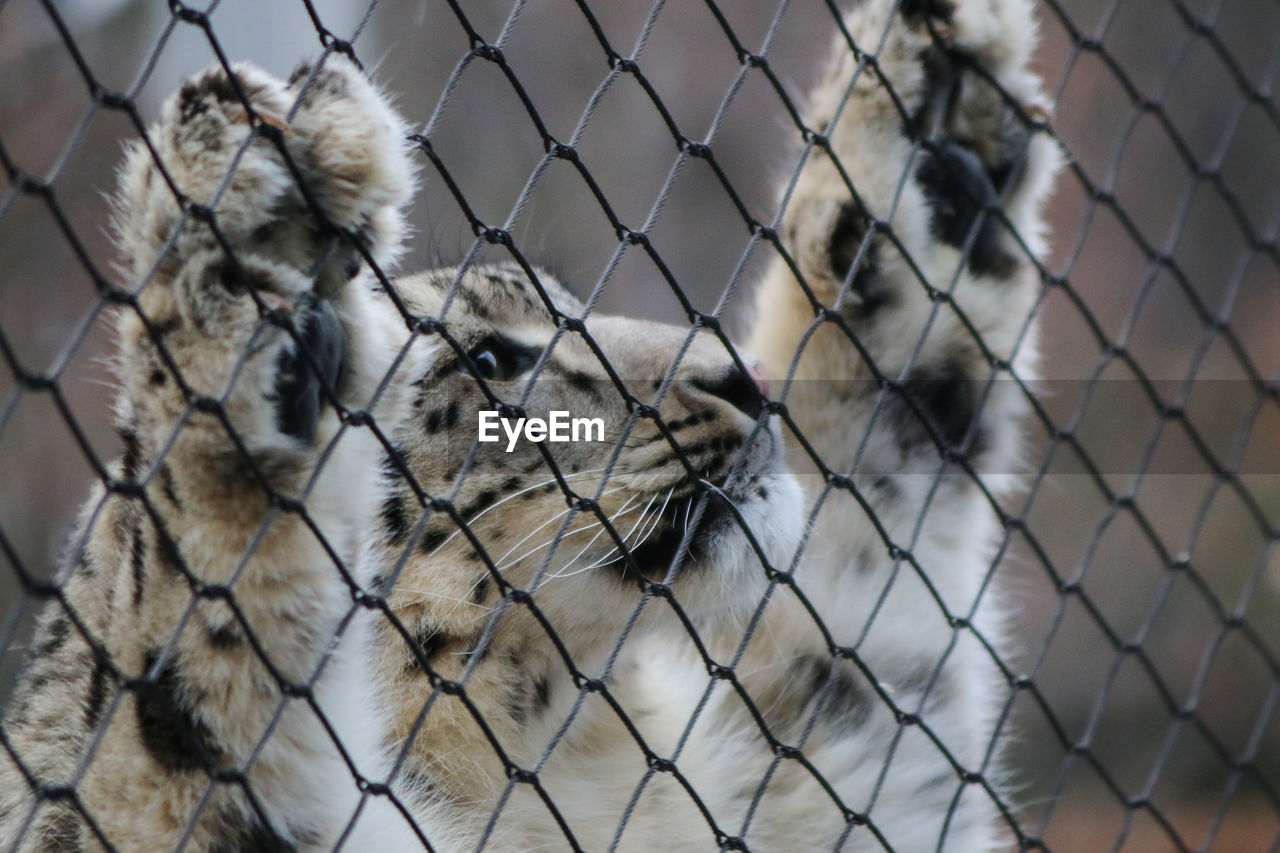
(1120, 608)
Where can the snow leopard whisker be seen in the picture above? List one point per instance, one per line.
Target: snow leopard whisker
(638, 525)
(609, 557)
(562, 573)
(501, 561)
(562, 536)
(471, 521)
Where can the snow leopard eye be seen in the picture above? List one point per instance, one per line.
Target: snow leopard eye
(497, 359)
(485, 361)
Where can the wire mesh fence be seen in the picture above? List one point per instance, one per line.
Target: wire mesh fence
(630, 147)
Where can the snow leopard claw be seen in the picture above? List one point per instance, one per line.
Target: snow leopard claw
(960, 195)
(308, 374)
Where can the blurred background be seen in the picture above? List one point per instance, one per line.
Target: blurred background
(1144, 576)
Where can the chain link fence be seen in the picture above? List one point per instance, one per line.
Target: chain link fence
(1144, 676)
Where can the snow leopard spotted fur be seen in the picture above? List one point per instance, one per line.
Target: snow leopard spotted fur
(310, 611)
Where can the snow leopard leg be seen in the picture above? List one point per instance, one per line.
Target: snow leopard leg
(190, 687)
(897, 318)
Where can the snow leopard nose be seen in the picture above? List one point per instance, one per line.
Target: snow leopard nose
(746, 390)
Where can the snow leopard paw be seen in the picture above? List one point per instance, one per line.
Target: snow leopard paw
(916, 219)
(312, 173)
(264, 198)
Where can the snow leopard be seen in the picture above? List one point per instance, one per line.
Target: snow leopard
(309, 610)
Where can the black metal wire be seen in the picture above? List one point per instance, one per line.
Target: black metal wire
(1075, 740)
